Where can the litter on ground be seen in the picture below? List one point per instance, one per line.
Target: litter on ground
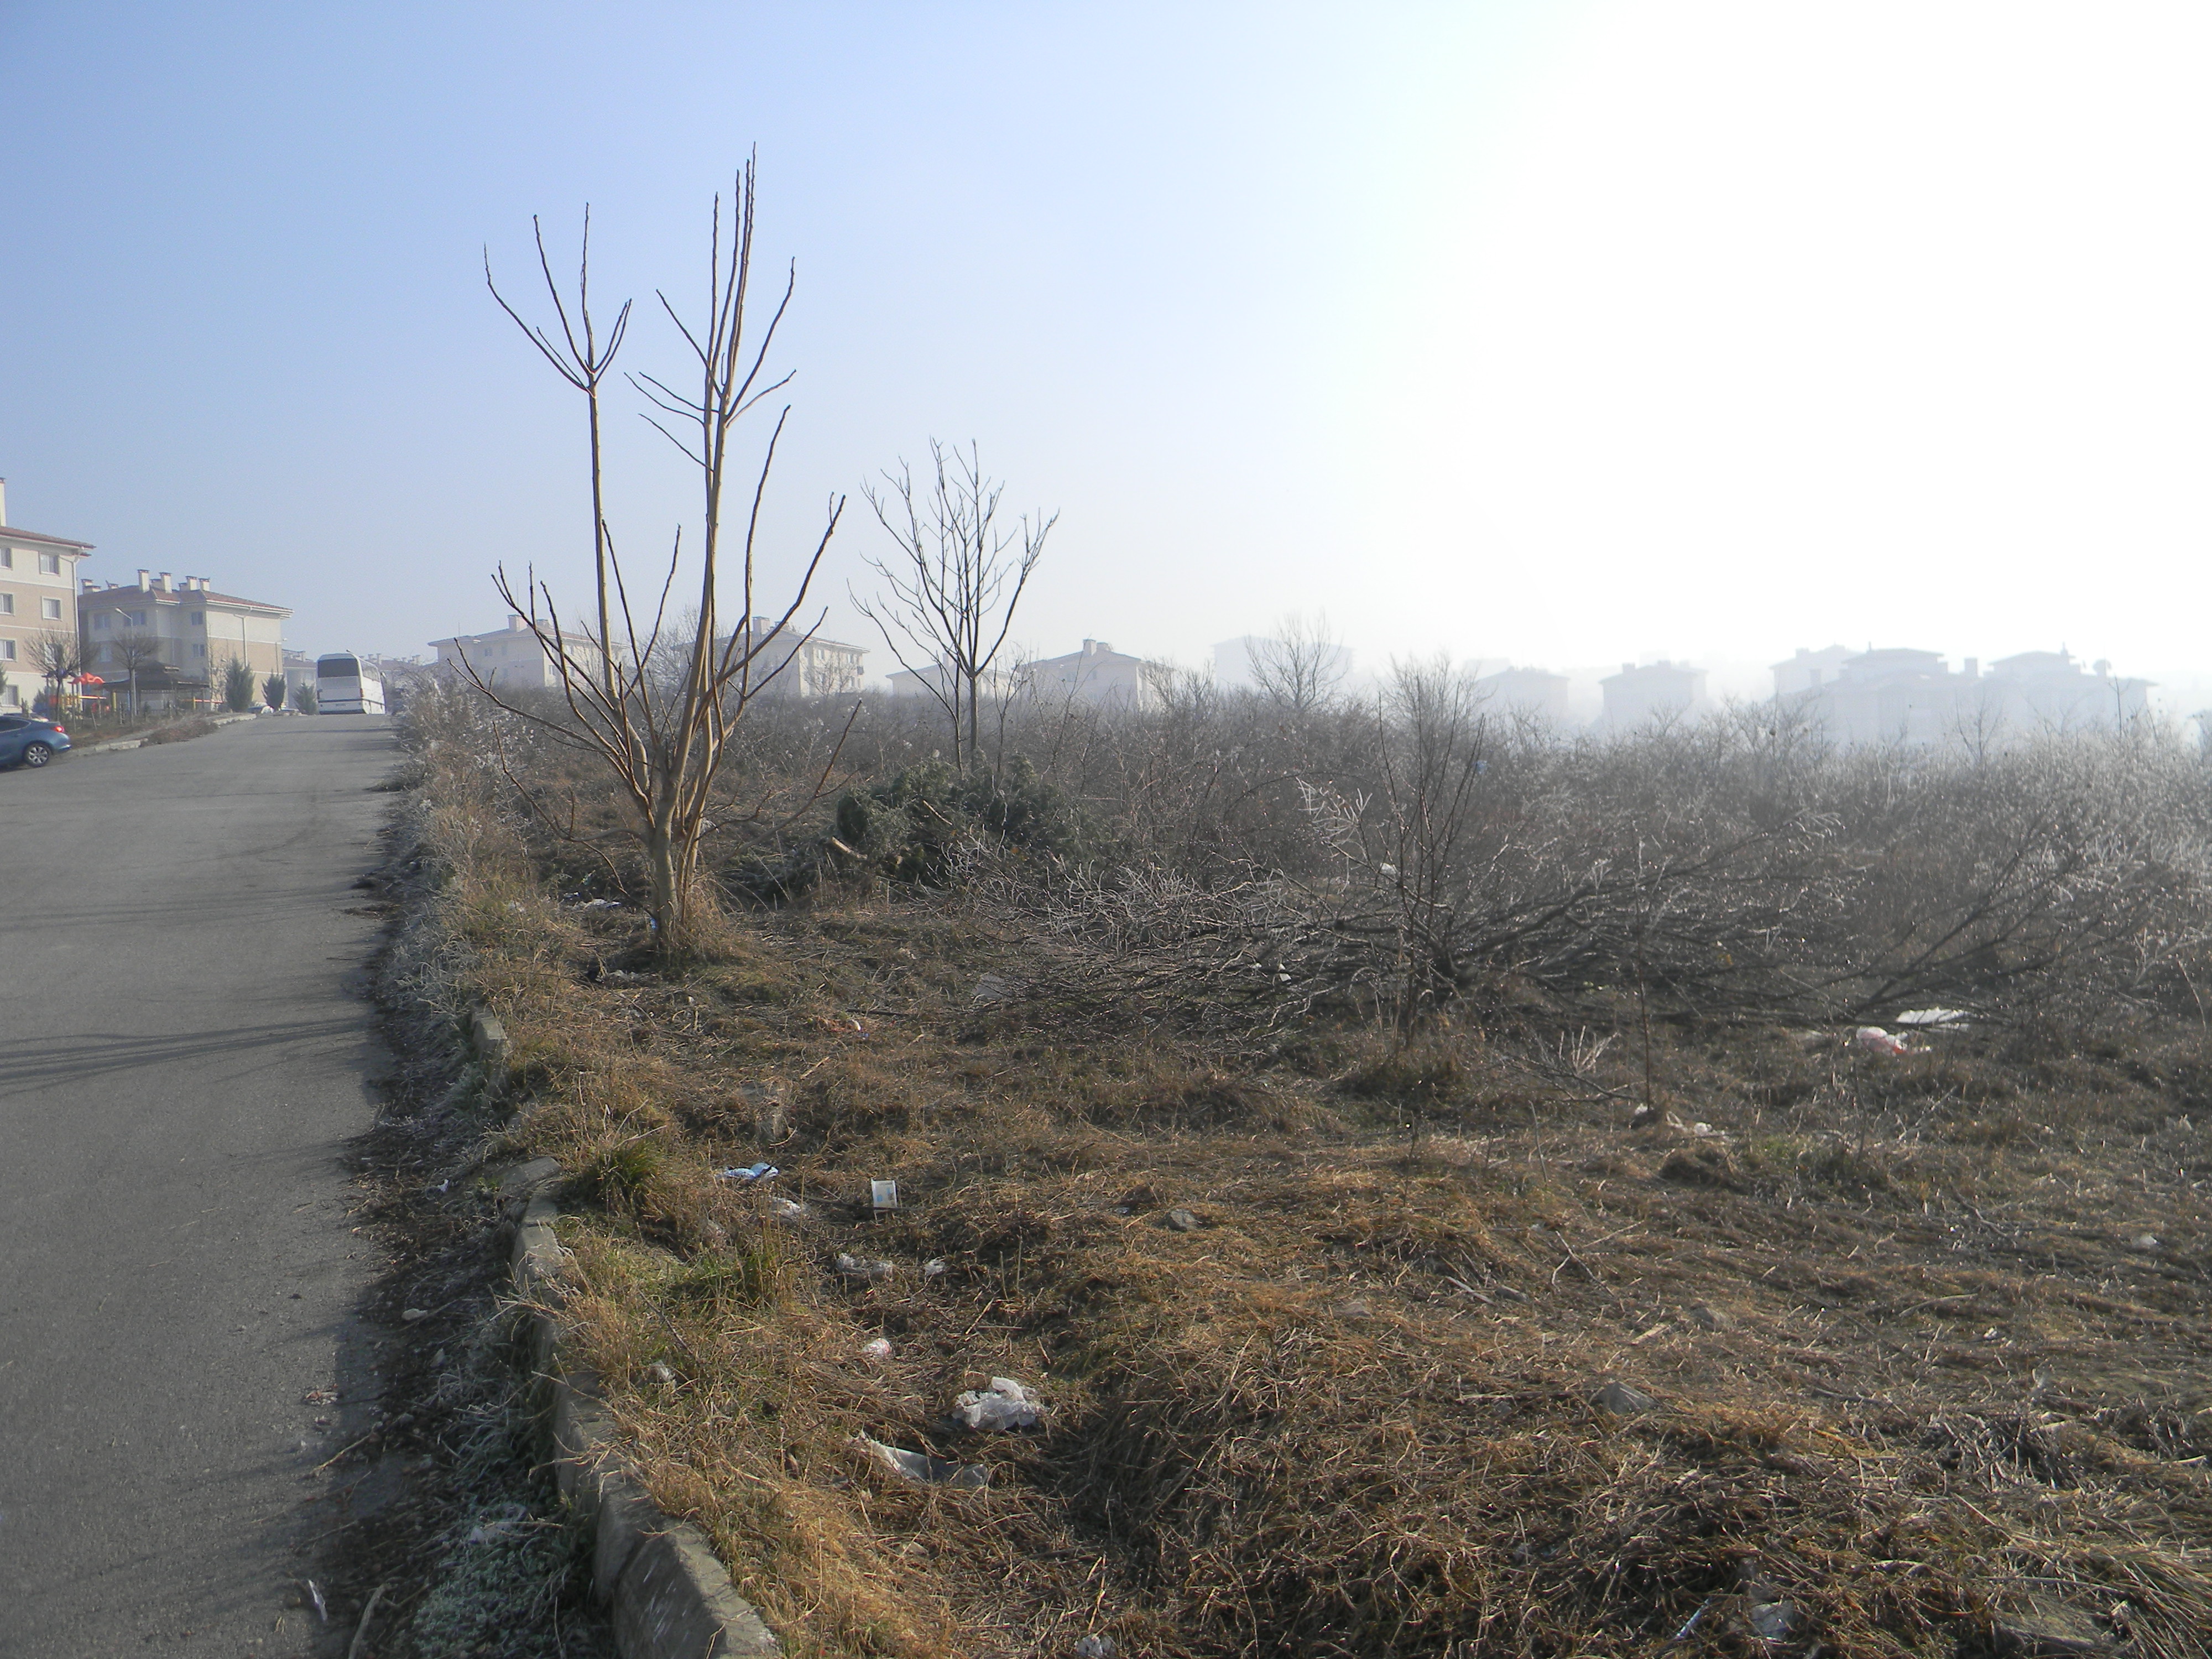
(1005, 1405)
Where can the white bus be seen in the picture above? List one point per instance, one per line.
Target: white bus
(340, 688)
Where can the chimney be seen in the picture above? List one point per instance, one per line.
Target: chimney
(162, 585)
(1628, 668)
(1973, 668)
(91, 583)
(145, 580)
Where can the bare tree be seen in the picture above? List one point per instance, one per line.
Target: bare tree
(59, 659)
(952, 587)
(135, 654)
(1302, 667)
(664, 742)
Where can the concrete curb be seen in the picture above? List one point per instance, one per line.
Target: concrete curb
(670, 1598)
(116, 745)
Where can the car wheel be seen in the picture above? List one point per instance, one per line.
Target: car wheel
(37, 754)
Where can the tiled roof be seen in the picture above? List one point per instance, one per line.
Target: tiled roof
(9, 532)
(134, 594)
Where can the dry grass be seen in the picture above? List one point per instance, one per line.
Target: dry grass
(1909, 1367)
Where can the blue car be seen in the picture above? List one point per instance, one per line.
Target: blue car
(26, 740)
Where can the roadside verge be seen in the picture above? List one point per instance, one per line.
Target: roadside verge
(670, 1597)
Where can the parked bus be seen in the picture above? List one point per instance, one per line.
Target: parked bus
(341, 687)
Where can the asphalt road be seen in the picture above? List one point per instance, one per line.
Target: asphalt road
(185, 1048)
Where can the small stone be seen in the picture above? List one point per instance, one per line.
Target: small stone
(411, 1315)
(1183, 1221)
(879, 1349)
(1711, 1318)
(2143, 1242)
(853, 1266)
(660, 1373)
(1095, 1647)
(1356, 1308)
(1624, 1400)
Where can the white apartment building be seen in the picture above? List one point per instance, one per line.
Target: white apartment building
(180, 634)
(38, 597)
(510, 659)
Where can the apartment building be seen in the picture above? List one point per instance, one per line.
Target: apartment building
(37, 600)
(510, 659)
(1660, 691)
(175, 636)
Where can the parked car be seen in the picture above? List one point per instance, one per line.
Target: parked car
(26, 740)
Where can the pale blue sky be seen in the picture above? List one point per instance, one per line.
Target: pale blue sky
(1561, 331)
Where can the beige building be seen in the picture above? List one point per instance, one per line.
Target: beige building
(191, 632)
(38, 597)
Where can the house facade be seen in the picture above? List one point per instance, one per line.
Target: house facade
(1531, 693)
(510, 659)
(38, 598)
(791, 663)
(1902, 696)
(176, 636)
(1658, 690)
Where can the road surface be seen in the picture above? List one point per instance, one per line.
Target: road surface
(185, 1049)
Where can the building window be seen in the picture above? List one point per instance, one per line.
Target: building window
(7, 650)
(136, 618)
(7, 558)
(50, 564)
(7, 604)
(102, 620)
(50, 610)
(197, 619)
(9, 698)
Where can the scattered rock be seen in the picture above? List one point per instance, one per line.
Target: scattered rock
(2144, 1242)
(1095, 1647)
(879, 1349)
(1643, 1117)
(411, 1315)
(1356, 1309)
(990, 988)
(786, 1209)
(1005, 1405)
(1624, 1400)
(1710, 1318)
(854, 1266)
(660, 1373)
(933, 1268)
(1183, 1221)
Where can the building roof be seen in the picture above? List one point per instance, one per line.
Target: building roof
(121, 594)
(12, 533)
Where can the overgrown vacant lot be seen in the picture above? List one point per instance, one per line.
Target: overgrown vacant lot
(1353, 1335)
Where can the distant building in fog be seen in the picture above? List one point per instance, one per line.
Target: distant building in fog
(1529, 691)
(1899, 694)
(1659, 690)
(1808, 670)
(1236, 661)
(1096, 674)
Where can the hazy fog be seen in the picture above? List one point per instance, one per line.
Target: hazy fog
(1550, 332)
